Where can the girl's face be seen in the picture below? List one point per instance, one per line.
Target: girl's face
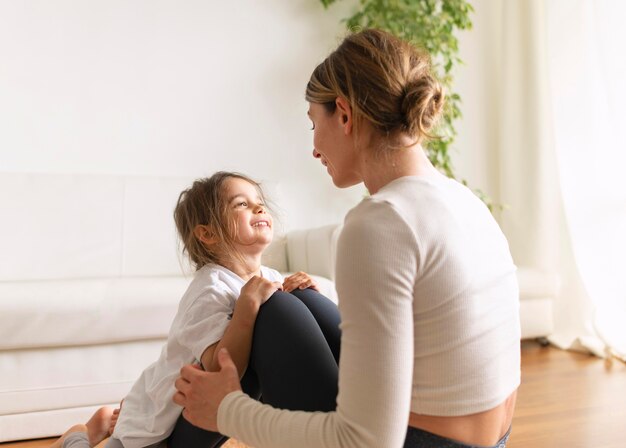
(253, 223)
(334, 146)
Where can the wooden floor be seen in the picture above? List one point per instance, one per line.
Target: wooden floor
(569, 400)
(566, 400)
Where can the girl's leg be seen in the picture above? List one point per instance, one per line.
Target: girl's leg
(326, 314)
(296, 347)
(291, 357)
(186, 435)
(89, 434)
(75, 437)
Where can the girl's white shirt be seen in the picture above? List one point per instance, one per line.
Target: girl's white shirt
(148, 415)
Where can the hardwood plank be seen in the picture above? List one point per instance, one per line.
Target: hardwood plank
(569, 400)
(566, 399)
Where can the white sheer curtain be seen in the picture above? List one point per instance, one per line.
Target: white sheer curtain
(563, 159)
(587, 75)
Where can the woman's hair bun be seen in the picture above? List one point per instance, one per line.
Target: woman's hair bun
(387, 81)
(421, 105)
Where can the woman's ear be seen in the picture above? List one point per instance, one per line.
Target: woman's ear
(205, 234)
(344, 112)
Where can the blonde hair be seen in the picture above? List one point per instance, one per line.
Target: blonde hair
(204, 203)
(386, 81)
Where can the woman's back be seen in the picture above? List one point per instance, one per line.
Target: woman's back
(466, 307)
(436, 245)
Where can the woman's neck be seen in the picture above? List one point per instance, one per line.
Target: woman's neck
(381, 167)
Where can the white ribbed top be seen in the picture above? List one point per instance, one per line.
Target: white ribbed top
(430, 322)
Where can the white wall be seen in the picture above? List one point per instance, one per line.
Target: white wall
(169, 88)
(475, 152)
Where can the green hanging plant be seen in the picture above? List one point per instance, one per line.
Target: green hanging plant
(431, 25)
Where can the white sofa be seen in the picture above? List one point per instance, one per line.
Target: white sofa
(90, 280)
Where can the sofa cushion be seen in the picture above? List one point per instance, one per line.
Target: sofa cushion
(535, 283)
(44, 379)
(37, 425)
(42, 238)
(88, 226)
(313, 250)
(98, 311)
(536, 317)
(149, 237)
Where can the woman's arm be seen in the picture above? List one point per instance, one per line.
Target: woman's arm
(376, 269)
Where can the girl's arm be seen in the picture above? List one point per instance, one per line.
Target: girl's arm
(237, 338)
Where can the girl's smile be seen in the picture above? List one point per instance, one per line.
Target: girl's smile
(261, 223)
(253, 224)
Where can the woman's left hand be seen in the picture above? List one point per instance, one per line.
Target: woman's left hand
(299, 280)
(200, 393)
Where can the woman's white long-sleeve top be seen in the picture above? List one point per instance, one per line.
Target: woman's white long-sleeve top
(429, 303)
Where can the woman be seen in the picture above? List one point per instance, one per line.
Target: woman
(428, 295)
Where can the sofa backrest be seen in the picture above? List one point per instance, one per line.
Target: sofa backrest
(57, 226)
(78, 226)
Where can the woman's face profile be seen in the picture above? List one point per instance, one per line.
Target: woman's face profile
(332, 146)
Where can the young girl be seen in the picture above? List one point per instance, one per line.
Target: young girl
(281, 333)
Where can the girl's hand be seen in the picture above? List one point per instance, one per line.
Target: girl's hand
(259, 289)
(299, 280)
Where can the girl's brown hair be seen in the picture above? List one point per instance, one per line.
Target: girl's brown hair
(386, 81)
(204, 203)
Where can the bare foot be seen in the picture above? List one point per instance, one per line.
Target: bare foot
(98, 425)
(114, 417)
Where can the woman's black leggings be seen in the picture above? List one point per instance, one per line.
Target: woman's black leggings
(293, 363)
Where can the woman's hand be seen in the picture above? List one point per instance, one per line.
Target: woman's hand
(299, 280)
(200, 393)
